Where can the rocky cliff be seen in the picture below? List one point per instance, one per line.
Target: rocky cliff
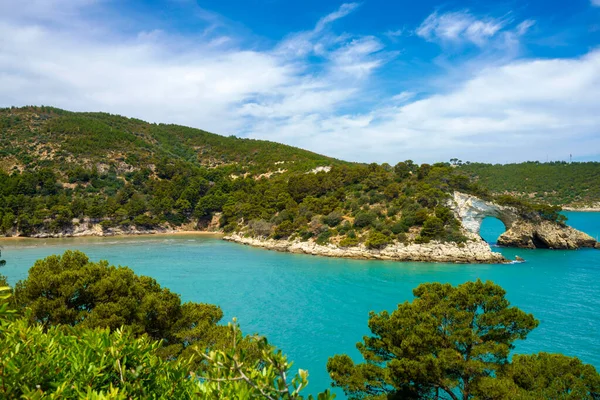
(524, 231)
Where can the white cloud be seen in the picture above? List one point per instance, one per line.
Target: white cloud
(521, 111)
(595, 3)
(394, 34)
(512, 111)
(456, 27)
(343, 11)
(157, 77)
(524, 26)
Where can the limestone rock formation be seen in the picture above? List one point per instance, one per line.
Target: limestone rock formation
(474, 251)
(521, 231)
(545, 235)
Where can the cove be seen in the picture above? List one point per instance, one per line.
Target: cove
(313, 307)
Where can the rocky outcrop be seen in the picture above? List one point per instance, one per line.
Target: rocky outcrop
(524, 231)
(474, 251)
(545, 235)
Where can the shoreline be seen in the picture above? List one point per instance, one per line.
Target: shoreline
(473, 252)
(115, 234)
(582, 209)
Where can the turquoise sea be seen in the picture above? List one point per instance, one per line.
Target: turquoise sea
(313, 307)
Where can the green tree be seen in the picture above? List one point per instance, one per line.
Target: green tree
(543, 376)
(442, 345)
(377, 240)
(364, 219)
(72, 290)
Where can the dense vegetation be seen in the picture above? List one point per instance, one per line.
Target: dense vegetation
(65, 172)
(557, 183)
(68, 170)
(454, 343)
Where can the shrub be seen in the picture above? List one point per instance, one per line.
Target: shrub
(422, 239)
(377, 240)
(72, 290)
(402, 237)
(333, 218)
(432, 227)
(260, 227)
(344, 228)
(400, 227)
(348, 242)
(323, 237)
(364, 219)
(284, 230)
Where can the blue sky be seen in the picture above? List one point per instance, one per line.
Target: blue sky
(376, 80)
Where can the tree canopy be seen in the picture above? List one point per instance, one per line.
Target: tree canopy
(72, 290)
(454, 343)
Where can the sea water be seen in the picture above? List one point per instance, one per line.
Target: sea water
(315, 307)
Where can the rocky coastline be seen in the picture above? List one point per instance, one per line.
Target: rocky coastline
(473, 251)
(469, 210)
(91, 229)
(595, 208)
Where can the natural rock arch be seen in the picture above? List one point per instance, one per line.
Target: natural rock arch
(472, 211)
(521, 231)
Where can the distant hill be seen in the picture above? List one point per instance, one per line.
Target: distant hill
(34, 137)
(559, 183)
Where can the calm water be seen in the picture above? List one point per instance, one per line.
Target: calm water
(314, 307)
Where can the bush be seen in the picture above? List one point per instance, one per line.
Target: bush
(333, 218)
(260, 227)
(78, 362)
(400, 227)
(377, 240)
(364, 219)
(433, 227)
(422, 239)
(402, 238)
(284, 230)
(323, 237)
(349, 242)
(72, 290)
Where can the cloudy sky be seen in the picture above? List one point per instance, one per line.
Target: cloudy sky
(376, 80)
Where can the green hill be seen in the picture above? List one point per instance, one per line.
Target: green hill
(65, 172)
(559, 183)
(34, 137)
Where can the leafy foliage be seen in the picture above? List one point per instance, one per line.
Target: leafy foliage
(443, 343)
(72, 290)
(543, 376)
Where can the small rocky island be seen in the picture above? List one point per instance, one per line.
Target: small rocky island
(523, 231)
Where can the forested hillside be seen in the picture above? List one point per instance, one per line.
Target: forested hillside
(559, 183)
(64, 171)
